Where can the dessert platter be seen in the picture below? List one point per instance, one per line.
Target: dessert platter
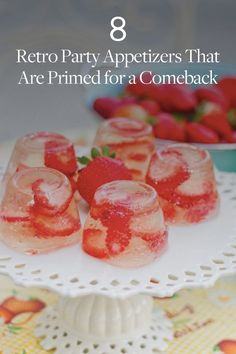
(109, 226)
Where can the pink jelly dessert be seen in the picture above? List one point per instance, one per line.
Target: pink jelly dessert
(183, 177)
(43, 149)
(125, 225)
(38, 212)
(132, 140)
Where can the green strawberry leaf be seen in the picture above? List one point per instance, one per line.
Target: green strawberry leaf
(197, 115)
(95, 153)
(106, 151)
(151, 120)
(84, 160)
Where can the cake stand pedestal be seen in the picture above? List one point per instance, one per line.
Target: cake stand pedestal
(98, 324)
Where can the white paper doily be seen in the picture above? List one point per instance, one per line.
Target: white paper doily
(56, 336)
(197, 256)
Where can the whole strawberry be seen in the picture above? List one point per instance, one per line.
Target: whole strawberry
(141, 87)
(105, 106)
(176, 98)
(99, 170)
(217, 121)
(198, 133)
(212, 94)
(228, 85)
(166, 127)
(151, 106)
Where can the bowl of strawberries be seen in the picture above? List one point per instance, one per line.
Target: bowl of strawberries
(196, 114)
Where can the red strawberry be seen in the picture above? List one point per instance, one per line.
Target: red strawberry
(140, 89)
(127, 100)
(150, 106)
(130, 111)
(176, 98)
(49, 199)
(168, 128)
(61, 225)
(101, 170)
(231, 138)
(158, 94)
(228, 86)
(212, 94)
(106, 105)
(198, 133)
(217, 121)
(94, 243)
(60, 155)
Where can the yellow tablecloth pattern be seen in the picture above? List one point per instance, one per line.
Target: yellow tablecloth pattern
(202, 319)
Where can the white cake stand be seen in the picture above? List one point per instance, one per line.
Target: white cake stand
(101, 310)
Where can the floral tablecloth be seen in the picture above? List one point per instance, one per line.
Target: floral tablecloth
(204, 320)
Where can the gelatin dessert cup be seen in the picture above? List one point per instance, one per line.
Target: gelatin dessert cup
(125, 225)
(43, 149)
(132, 140)
(183, 176)
(38, 213)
